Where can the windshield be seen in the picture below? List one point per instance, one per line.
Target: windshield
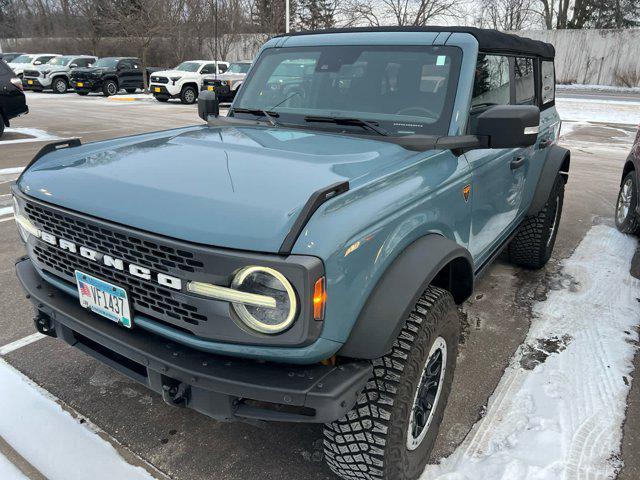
(9, 57)
(59, 61)
(23, 59)
(406, 90)
(239, 68)
(188, 67)
(106, 63)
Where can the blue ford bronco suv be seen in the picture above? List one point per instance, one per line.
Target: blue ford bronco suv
(301, 258)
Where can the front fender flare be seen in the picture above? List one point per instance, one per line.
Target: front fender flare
(557, 162)
(432, 259)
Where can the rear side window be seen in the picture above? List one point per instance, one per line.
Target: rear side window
(125, 64)
(548, 82)
(524, 79)
(492, 85)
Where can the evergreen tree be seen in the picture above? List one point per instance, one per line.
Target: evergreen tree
(316, 14)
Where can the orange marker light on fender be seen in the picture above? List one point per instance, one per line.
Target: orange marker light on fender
(319, 299)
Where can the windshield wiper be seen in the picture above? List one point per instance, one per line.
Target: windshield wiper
(349, 121)
(258, 111)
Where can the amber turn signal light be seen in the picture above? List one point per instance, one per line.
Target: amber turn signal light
(319, 299)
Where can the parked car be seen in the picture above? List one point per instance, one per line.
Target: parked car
(109, 75)
(184, 81)
(227, 84)
(28, 61)
(301, 259)
(9, 56)
(54, 75)
(12, 101)
(627, 207)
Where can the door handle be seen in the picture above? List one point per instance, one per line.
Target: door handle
(517, 162)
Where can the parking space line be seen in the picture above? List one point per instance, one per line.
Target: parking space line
(5, 219)
(22, 342)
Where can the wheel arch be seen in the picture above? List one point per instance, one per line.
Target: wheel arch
(558, 161)
(628, 167)
(443, 263)
(190, 83)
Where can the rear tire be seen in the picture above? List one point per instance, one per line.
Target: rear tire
(391, 430)
(189, 95)
(626, 217)
(60, 85)
(110, 88)
(533, 244)
(1, 126)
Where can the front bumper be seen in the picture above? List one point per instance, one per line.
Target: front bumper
(221, 89)
(164, 90)
(31, 83)
(221, 387)
(86, 85)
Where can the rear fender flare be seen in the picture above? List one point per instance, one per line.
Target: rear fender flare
(430, 260)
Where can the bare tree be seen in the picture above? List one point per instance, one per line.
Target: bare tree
(399, 12)
(507, 14)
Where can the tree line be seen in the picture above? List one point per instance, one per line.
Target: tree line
(164, 32)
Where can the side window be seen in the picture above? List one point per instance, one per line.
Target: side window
(548, 82)
(222, 68)
(43, 59)
(209, 68)
(82, 62)
(491, 84)
(125, 64)
(524, 79)
(135, 65)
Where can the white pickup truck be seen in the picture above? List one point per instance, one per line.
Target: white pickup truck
(185, 80)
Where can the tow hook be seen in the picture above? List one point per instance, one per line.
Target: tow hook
(175, 393)
(43, 324)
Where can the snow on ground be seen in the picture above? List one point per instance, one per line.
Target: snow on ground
(52, 440)
(33, 134)
(558, 410)
(596, 110)
(596, 88)
(8, 471)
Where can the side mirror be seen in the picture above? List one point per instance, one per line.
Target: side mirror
(73, 65)
(509, 126)
(37, 62)
(208, 105)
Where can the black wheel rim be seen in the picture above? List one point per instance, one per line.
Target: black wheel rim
(427, 394)
(111, 89)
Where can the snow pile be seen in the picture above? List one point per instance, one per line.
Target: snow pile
(558, 410)
(8, 471)
(32, 134)
(581, 87)
(49, 438)
(602, 111)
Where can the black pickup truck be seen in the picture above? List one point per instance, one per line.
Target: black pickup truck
(109, 75)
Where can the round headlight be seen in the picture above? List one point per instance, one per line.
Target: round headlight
(269, 282)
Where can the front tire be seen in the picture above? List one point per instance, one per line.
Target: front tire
(533, 244)
(1, 126)
(162, 99)
(189, 95)
(130, 90)
(626, 216)
(110, 88)
(60, 86)
(83, 94)
(393, 426)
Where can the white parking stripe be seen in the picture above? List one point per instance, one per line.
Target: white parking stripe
(6, 211)
(5, 219)
(22, 342)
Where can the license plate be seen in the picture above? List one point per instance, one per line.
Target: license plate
(210, 88)
(80, 84)
(157, 89)
(103, 298)
(30, 82)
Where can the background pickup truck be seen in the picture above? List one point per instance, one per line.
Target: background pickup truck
(109, 75)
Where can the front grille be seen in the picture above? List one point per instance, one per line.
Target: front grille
(147, 297)
(31, 73)
(155, 79)
(82, 76)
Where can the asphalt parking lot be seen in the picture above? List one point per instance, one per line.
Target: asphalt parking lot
(186, 445)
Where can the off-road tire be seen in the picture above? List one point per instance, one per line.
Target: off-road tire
(82, 94)
(57, 85)
(1, 125)
(630, 224)
(370, 441)
(533, 244)
(130, 90)
(188, 95)
(110, 88)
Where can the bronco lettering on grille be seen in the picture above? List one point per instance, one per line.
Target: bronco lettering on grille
(109, 261)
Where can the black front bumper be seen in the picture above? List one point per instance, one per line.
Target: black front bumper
(92, 85)
(35, 85)
(224, 388)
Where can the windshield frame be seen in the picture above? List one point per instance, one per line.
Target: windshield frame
(389, 122)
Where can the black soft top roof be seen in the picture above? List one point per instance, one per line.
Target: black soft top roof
(489, 40)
